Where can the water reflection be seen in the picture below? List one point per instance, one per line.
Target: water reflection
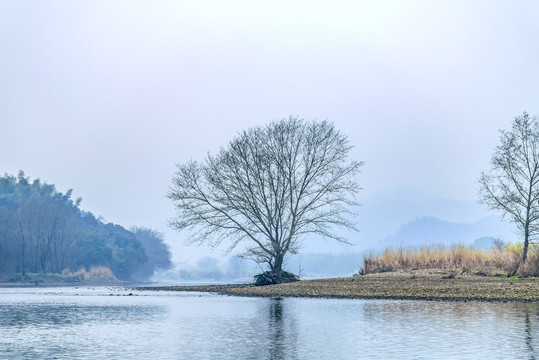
(203, 326)
(456, 329)
(276, 329)
(529, 338)
(281, 331)
(57, 315)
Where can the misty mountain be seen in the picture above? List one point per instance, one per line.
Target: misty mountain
(429, 230)
(395, 212)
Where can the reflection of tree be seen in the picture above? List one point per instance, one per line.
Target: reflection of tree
(529, 335)
(277, 331)
(281, 332)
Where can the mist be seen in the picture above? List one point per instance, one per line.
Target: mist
(106, 98)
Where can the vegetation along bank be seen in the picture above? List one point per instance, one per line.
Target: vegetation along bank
(45, 237)
(458, 273)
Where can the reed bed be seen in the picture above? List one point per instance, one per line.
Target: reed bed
(498, 261)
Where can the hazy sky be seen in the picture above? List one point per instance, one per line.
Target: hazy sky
(105, 97)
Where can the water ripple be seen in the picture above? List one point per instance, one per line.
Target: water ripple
(117, 323)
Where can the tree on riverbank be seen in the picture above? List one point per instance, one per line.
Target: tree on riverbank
(512, 184)
(268, 187)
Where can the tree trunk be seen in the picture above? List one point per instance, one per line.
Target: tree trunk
(522, 260)
(526, 243)
(23, 252)
(277, 265)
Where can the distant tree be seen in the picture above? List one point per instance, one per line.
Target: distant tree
(236, 268)
(207, 262)
(128, 254)
(512, 184)
(269, 186)
(157, 251)
(208, 269)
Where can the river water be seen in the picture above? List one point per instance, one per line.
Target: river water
(108, 323)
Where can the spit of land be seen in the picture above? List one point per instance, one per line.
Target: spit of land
(413, 285)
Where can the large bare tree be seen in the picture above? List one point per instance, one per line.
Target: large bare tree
(267, 188)
(512, 185)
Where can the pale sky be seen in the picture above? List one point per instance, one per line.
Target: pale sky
(105, 97)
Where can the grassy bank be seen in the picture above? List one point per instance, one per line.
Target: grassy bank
(417, 285)
(463, 259)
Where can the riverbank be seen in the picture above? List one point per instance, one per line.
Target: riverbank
(65, 283)
(412, 285)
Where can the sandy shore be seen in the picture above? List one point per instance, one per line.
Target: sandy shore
(418, 286)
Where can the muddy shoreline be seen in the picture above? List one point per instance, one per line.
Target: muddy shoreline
(403, 286)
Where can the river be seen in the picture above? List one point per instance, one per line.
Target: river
(109, 323)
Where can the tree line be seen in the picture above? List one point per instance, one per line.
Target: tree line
(44, 231)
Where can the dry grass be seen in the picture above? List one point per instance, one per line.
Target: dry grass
(95, 273)
(101, 273)
(82, 274)
(456, 258)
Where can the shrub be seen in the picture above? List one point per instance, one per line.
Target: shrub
(270, 278)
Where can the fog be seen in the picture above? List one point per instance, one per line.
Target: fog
(106, 97)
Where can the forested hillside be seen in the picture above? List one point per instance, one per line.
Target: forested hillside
(44, 231)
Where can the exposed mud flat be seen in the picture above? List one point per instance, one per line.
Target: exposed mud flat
(416, 285)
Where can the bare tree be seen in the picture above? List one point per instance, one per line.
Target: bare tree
(512, 185)
(268, 187)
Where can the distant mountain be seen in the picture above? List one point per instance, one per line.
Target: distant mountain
(425, 231)
(384, 214)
